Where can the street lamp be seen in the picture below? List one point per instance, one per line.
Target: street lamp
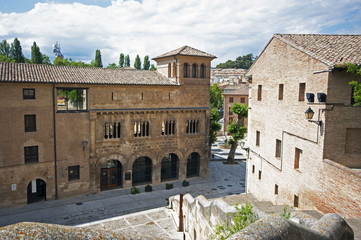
(309, 115)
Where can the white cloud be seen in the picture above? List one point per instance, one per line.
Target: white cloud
(225, 28)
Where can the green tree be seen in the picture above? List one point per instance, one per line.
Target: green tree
(4, 58)
(237, 129)
(36, 56)
(16, 52)
(4, 48)
(98, 59)
(46, 59)
(152, 68)
(214, 127)
(137, 63)
(356, 84)
(146, 63)
(215, 97)
(127, 61)
(121, 60)
(112, 65)
(243, 62)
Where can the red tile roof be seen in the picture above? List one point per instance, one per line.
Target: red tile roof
(186, 50)
(38, 73)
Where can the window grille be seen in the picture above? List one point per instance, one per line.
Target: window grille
(112, 130)
(141, 129)
(192, 126)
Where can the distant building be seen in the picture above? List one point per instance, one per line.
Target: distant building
(294, 161)
(230, 75)
(234, 93)
(67, 131)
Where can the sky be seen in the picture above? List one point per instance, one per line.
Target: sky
(225, 28)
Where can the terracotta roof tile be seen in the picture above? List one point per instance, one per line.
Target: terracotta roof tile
(329, 49)
(188, 51)
(37, 73)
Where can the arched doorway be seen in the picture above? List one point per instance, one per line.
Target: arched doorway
(36, 191)
(111, 174)
(193, 163)
(169, 167)
(142, 171)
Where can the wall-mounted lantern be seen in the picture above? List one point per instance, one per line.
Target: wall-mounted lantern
(309, 115)
(84, 144)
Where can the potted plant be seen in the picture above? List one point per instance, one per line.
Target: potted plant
(134, 190)
(148, 188)
(185, 183)
(168, 186)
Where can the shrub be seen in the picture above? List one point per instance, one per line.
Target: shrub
(134, 190)
(148, 188)
(285, 214)
(185, 183)
(168, 186)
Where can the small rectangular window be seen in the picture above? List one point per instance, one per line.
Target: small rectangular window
(243, 100)
(301, 93)
(278, 148)
(31, 154)
(73, 173)
(276, 189)
(28, 93)
(259, 94)
(295, 201)
(259, 174)
(258, 138)
(280, 92)
(231, 100)
(298, 153)
(30, 123)
(253, 168)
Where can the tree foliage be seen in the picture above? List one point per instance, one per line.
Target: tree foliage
(215, 126)
(98, 59)
(112, 65)
(243, 62)
(69, 62)
(16, 52)
(137, 63)
(152, 67)
(237, 129)
(215, 97)
(36, 56)
(5, 48)
(127, 61)
(146, 63)
(121, 60)
(356, 84)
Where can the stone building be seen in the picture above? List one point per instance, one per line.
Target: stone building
(234, 75)
(306, 163)
(67, 131)
(234, 93)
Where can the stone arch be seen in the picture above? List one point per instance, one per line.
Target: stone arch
(194, 158)
(111, 174)
(36, 191)
(170, 167)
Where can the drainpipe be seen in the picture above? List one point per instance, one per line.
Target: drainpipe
(55, 165)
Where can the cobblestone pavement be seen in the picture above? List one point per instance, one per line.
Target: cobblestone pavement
(221, 180)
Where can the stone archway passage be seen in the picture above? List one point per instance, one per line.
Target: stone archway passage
(170, 165)
(36, 191)
(111, 175)
(193, 164)
(142, 171)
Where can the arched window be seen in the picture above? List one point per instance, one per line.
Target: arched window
(36, 191)
(185, 70)
(194, 70)
(169, 70)
(174, 70)
(203, 71)
(170, 167)
(142, 171)
(193, 164)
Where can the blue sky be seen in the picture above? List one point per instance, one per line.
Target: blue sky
(225, 28)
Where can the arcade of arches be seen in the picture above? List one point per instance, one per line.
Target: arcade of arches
(143, 171)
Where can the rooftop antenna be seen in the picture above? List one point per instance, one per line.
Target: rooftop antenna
(56, 50)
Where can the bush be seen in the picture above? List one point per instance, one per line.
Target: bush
(134, 190)
(168, 186)
(185, 183)
(148, 188)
